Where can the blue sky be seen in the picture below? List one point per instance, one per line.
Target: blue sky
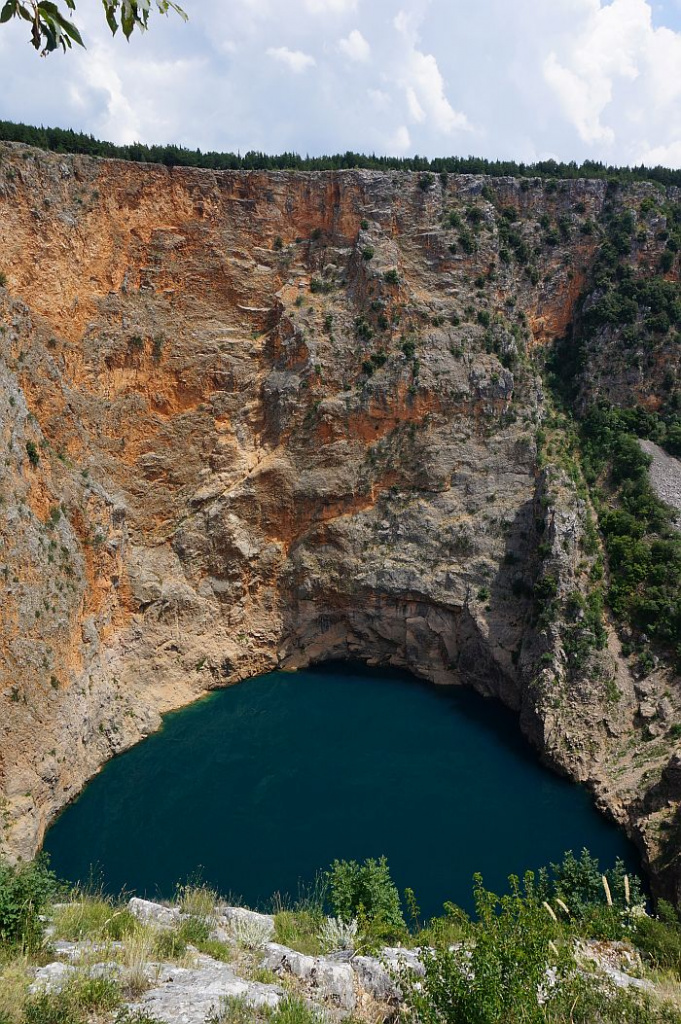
(668, 14)
(523, 79)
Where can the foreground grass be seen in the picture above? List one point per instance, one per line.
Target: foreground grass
(108, 932)
(291, 1010)
(489, 969)
(299, 930)
(92, 917)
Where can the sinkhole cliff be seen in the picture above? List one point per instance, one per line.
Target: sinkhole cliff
(255, 420)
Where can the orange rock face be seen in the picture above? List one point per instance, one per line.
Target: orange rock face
(255, 420)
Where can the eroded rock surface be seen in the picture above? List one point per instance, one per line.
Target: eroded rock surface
(255, 420)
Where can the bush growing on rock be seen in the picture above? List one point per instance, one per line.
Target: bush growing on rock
(299, 929)
(24, 892)
(32, 452)
(128, 1016)
(660, 938)
(337, 934)
(496, 973)
(519, 963)
(579, 882)
(367, 893)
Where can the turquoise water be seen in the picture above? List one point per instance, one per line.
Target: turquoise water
(260, 785)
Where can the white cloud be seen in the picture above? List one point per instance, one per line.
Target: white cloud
(416, 111)
(296, 60)
(355, 47)
(122, 123)
(616, 67)
(429, 86)
(400, 142)
(583, 98)
(667, 156)
(405, 23)
(331, 6)
(526, 80)
(379, 100)
(422, 81)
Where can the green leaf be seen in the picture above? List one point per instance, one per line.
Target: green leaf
(60, 24)
(51, 40)
(52, 28)
(127, 24)
(73, 32)
(111, 19)
(167, 5)
(8, 11)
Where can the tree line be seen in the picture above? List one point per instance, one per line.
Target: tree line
(65, 140)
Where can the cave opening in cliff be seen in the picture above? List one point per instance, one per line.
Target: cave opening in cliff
(261, 785)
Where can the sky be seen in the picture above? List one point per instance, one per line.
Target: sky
(508, 79)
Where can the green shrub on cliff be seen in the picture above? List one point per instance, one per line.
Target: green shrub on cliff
(659, 938)
(644, 551)
(367, 892)
(522, 959)
(496, 973)
(518, 963)
(32, 452)
(25, 890)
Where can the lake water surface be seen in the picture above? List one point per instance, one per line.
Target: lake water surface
(261, 785)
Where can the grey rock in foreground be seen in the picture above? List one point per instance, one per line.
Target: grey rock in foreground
(188, 995)
(332, 979)
(52, 977)
(153, 913)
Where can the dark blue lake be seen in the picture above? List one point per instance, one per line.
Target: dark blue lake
(261, 785)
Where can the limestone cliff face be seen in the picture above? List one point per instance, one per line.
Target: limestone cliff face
(261, 419)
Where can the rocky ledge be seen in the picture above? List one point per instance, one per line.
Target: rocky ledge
(260, 973)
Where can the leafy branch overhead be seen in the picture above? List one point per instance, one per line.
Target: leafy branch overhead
(52, 27)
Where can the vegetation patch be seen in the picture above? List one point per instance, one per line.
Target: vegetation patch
(522, 957)
(642, 545)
